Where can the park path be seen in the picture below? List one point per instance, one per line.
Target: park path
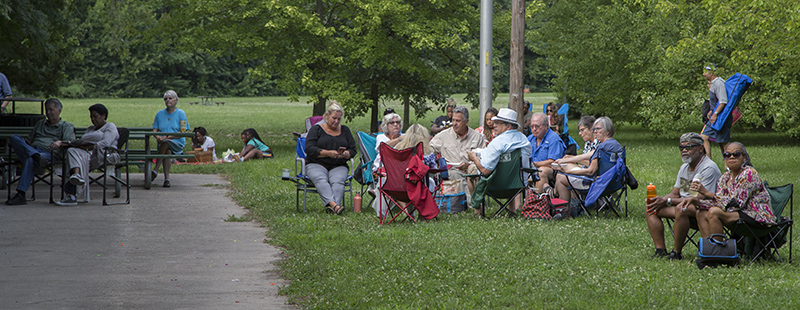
(169, 249)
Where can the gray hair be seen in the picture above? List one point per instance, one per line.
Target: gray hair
(544, 122)
(55, 102)
(172, 93)
(388, 118)
(607, 125)
(747, 161)
(463, 110)
(587, 121)
(333, 106)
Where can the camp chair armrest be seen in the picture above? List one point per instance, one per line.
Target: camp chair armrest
(472, 175)
(583, 177)
(530, 170)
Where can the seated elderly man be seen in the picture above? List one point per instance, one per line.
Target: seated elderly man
(697, 171)
(507, 139)
(547, 147)
(453, 144)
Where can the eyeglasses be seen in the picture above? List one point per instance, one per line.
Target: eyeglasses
(734, 154)
(596, 129)
(394, 123)
(687, 147)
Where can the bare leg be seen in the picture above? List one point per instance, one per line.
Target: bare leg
(545, 173)
(717, 218)
(722, 147)
(164, 149)
(706, 145)
(702, 222)
(562, 187)
(682, 226)
(656, 226)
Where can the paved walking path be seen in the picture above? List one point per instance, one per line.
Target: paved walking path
(169, 249)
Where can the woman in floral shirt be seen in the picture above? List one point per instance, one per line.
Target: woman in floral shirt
(741, 194)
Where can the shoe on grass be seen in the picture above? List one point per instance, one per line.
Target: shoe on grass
(675, 256)
(77, 180)
(18, 199)
(69, 201)
(660, 253)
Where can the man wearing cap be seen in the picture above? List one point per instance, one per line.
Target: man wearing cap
(717, 98)
(698, 175)
(546, 146)
(507, 139)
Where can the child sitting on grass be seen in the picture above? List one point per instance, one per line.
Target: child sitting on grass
(253, 146)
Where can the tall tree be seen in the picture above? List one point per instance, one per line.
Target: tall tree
(36, 44)
(357, 52)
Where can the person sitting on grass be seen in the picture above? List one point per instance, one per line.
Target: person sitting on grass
(87, 154)
(253, 146)
(202, 142)
(698, 175)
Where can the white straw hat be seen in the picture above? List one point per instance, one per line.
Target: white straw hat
(506, 116)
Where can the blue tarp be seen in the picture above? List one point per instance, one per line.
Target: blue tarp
(735, 86)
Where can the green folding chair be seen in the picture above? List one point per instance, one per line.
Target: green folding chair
(505, 182)
(764, 240)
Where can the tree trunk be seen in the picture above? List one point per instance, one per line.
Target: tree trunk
(374, 95)
(406, 109)
(516, 85)
(319, 106)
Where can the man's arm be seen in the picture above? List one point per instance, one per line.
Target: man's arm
(477, 161)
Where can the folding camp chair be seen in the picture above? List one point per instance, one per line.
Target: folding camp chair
(366, 150)
(760, 240)
(392, 182)
(122, 149)
(303, 183)
(609, 194)
(693, 231)
(507, 181)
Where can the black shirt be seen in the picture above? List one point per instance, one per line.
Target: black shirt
(318, 140)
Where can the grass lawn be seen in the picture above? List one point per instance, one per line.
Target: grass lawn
(463, 262)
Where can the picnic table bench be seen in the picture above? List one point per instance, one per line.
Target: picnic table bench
(137, 157)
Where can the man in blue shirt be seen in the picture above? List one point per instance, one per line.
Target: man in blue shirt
(507, 139)
(547, 147)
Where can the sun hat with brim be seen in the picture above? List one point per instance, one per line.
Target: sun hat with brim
(506, 116)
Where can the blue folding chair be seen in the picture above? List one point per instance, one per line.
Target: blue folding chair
(608, 190)
(366, 151)
(304, 184)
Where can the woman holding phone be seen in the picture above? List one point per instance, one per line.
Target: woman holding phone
(329, 146)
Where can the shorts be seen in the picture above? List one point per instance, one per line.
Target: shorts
(579, 183)
(719, 136)
(174, 146)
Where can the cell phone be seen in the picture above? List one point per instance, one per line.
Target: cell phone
(342, 149)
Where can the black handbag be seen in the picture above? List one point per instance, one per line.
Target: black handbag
(713, 253)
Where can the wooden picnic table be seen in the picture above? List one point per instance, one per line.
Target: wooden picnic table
(206, 100)
(148, 163)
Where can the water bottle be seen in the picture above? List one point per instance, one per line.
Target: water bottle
(183, 125)
(651, 191)
(357, 203)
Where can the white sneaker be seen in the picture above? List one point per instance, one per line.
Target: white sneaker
(69, 201)
(77, 180)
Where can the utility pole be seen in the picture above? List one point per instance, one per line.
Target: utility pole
(515, 89)
(485, 68)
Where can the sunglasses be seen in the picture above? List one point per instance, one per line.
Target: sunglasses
(168, 98)
(686, 147)
(734, 154)
(549, 111)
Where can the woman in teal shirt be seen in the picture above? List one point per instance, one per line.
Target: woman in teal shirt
(253, 146)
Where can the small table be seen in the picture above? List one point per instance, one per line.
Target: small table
(206, 100)
(148, 163)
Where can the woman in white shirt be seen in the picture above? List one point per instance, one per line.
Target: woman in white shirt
(201, 140)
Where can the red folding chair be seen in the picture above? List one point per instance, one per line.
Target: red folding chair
(393, 183)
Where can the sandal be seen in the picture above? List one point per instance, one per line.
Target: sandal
(328, 209)
(338, 209)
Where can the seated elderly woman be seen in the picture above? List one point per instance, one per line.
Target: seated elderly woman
(391, 126)
(603, 130)
(415, 134)
(590, 143)
(86, 154)
(170, 119)
(329, 146)
(741, 194)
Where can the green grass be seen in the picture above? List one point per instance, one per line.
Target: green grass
(460, 261)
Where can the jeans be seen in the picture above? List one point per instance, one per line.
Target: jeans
(25, 154)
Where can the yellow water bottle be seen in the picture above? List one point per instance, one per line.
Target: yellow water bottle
(651, 191)
(183, 125)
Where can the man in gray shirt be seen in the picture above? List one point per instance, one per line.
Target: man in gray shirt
(697, 177)
(717, 98)
(35, 151)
